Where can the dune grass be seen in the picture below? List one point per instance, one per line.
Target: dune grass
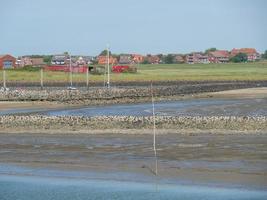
(161, 72)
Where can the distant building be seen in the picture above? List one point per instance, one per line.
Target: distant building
(219, 56)
(251, 53)
(102, 60)
(125, 59)
(178, 59)
(136, 58)
(23, 61)
(38, 62)
(153, 59)
(61, 59)
(28, 61)
(7, 61)
(197, 58)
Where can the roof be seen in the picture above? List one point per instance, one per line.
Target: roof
(3, 55)
(244, 50)
(220, 53)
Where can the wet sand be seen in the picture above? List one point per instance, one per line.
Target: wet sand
(239, 160)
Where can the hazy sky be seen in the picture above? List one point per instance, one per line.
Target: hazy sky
(130, 26)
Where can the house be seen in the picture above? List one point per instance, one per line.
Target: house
(251, 53)
(61, 59)
(153, 59)
(102, 60)
(219, 56)
(125, 59)
(178, 59)
(197, 58)
(136, 58)
(7, 61)
(38, 62)
(23, 61)
(80, 61)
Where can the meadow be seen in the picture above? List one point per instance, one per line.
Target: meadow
(161, 72)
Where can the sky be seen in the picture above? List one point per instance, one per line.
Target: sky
(85, 27)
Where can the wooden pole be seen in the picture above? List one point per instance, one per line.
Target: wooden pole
(41, 78)
(87, 78)
(4, 79)
(154, 131)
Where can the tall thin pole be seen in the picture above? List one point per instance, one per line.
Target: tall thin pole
(41, 78)
(154, 131)
(70, 72)
(87, 77)
(4, 79)
(108, 82)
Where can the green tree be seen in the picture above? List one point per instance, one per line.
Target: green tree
(104, 53)
(169, 59)
(47, 59)
(145, 61)
(264, 55)
(240, 57)
(210, 50)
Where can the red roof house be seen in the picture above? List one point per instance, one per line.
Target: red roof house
(102, 60)
(251, 53)
(219, 56)
(7, 61)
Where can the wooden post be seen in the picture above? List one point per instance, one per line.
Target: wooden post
(154, 130)
(41, 79)
(87, 78)
(4, 79)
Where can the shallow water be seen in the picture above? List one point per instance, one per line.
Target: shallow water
(193, 107)
(41, 188)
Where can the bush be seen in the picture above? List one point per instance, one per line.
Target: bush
(241, 57)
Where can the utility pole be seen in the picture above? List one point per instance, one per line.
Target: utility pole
(41, 78)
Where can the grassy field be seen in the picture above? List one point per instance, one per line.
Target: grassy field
(161, 72)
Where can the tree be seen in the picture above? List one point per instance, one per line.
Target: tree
(264, 55)
(145, 61)
(168, 59)
(47, 59)
(240, 57)
(104, 53)
(210, 50)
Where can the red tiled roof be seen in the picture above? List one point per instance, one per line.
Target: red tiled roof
(220, 53)
(244, 50)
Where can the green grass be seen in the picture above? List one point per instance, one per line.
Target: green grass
(162, 72)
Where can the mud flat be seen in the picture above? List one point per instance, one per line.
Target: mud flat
(235, 160)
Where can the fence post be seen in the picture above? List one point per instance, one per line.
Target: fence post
(87, 78)
(41, 79)
(4, 79)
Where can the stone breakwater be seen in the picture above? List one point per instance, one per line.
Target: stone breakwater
(118, 95)
(76, 123)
